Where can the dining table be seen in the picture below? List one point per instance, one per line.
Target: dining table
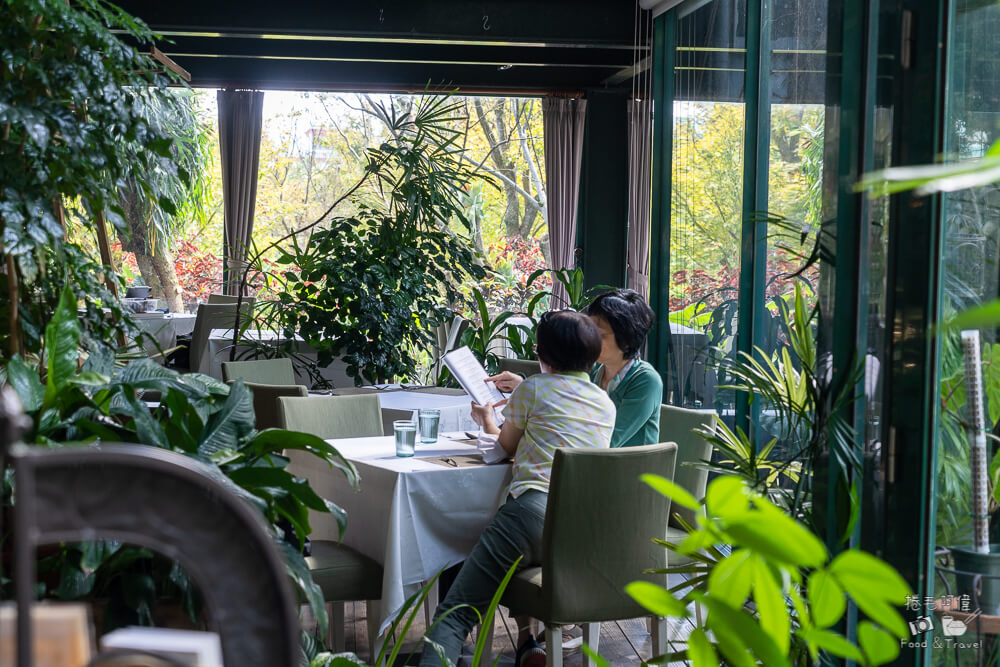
(413, 515)
(220, 343)
(164, 328)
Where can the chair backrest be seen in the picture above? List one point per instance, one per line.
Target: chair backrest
(215, 316)
(260, 371)
(525, 367)
(447, 336)
(171, 503)
(599, 525)
(333, 416)
(231, 299)
(265, 401)
(677, 425)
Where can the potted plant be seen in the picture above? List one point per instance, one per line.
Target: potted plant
(369, 286)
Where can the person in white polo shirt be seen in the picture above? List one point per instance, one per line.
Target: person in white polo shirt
(560, 407)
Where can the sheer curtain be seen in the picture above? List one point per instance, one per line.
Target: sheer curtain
(564, 123)
(639, 147)
(240, 114)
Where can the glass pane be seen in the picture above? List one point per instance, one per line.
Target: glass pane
(969, 273)
(707, 200)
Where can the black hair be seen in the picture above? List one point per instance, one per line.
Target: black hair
(629, 317)
(568, 341)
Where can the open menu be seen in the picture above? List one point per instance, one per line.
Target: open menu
(471, 375)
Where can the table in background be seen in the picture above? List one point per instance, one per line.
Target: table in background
(164, 328)
(455, 409)
(220, 342)
(412, 515)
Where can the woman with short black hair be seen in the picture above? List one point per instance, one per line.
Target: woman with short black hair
(624, 320)
(560, 407)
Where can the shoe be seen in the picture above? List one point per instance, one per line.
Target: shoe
(530, 654)
(572, 637)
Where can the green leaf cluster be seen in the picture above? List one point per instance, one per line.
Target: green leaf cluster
(773, 594)
(370, 287)
(96, 401)
(72, 130)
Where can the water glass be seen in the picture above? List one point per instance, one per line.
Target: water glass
(405, 431)
(429, 419)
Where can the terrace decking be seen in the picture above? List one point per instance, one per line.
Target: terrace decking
(623, 644)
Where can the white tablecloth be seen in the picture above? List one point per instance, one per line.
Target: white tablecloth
(455, 411)
(164, 327)
(413, 516)
(220, 341)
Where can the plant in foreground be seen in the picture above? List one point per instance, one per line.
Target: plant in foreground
(773, 594)
(92, 400)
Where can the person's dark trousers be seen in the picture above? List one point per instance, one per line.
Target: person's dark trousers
(516, 530)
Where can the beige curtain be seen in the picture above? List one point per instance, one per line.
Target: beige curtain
(639, 147)
(564, 123)
(239, 142)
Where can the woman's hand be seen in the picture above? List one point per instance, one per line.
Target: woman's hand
(483, 415)
(506, 381)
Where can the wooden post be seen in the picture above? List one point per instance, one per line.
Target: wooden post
(15, 301)
(105, 247)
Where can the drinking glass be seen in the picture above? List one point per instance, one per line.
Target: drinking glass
(405, 431)
(429, 419)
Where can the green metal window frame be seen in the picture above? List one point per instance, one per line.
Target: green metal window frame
(867, 39)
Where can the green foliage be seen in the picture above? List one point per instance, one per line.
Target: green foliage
(196, 416)
(371, 286)
(774, 593)
(806, 409)
(929, 179)
(71, 130)
(404, 620)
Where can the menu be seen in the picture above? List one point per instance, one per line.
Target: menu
(471, 375)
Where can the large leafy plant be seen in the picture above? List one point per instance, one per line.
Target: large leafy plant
(71, 399)
(71, 131)
(773, 594)
(369, 287)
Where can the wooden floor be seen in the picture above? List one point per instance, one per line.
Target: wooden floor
(623, 643)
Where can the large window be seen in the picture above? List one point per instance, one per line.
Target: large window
(969, 273)
(312, 151)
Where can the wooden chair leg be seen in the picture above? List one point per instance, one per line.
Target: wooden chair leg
(553, 646)
(592, 638)
(372, 613)
(658, 635)
(335, 632)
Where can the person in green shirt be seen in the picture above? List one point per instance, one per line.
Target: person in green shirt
(624, 319)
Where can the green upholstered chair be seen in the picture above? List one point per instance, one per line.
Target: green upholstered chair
(208, 317)
(599, 525)
(341, 572)
(678, 425)
(215, 299)
(525, 367)
(333, 416)
(260, 371)
(265, 401)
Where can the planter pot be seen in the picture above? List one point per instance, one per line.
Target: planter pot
(988, 565)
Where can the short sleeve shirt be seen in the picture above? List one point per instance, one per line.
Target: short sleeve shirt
(555, 410)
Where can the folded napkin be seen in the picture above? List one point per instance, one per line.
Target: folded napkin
(490, 449)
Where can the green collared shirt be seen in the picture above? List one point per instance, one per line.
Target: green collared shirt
(637, 399)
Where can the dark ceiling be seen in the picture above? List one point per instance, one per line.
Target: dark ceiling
(514, 46)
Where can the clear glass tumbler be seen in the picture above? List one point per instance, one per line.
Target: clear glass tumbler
(405, 431)
(429, 420)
